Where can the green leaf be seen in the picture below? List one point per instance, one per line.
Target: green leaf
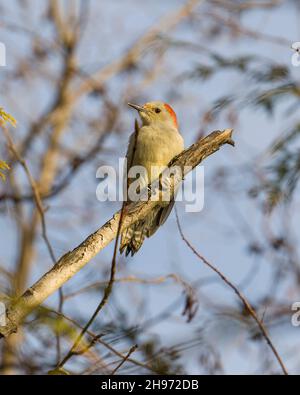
(59, 372)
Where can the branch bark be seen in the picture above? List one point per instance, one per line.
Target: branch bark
(72, 262)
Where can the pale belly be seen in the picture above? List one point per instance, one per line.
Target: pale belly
(155, 151)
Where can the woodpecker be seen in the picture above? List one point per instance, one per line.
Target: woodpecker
(156, 143)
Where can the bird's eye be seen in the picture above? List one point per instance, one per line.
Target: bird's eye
(157, 110)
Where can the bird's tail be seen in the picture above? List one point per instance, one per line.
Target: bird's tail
(133, 237)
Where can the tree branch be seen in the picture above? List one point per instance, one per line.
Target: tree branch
(70, 263)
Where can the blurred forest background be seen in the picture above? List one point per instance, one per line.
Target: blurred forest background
(72, 66)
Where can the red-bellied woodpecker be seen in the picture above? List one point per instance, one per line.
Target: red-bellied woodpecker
(157, 142)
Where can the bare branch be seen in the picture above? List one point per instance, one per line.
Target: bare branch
(133, 54)
(70, 263)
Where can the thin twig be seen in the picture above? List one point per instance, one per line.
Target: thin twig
(101, 341)
(132, 279)
(89, 345)
(41, 210)
(247, 305)
(132, 350)
(73, 261)
(109, 286)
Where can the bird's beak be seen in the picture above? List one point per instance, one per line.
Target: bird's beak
(137, 107)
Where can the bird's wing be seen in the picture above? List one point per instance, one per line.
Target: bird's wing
(165, 212)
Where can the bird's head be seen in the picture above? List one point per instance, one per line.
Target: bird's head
(156, 112)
